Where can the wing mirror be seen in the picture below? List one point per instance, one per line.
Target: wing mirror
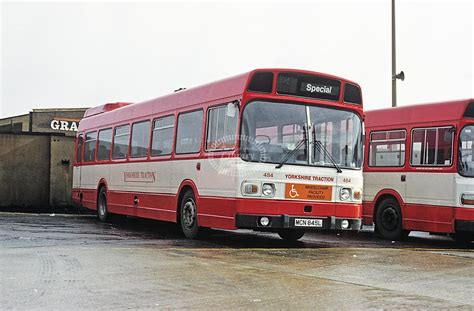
(232, 109)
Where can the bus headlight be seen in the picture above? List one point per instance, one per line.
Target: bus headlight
(345, 194)
(250, 188)
(268, 190)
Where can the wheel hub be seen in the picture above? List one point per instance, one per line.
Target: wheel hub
(189, 213)
(390, 218)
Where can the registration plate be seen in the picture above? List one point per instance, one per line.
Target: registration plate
(304, 222)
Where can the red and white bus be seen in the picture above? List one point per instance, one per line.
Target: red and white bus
(276, 150)
(419, 169)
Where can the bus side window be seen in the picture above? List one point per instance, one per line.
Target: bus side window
(162, 140)
(89, 146)
(105, 141)
(387, 148)
(188, 138)
(140, 139)
(432, 146)
(80, 141)
(121, 140)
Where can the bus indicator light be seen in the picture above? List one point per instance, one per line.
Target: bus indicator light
(250, 189)
(357, 194)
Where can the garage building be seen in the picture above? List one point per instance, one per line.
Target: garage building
(36, 158)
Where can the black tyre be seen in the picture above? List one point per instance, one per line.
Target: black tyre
(463, 238)
(291, 235)
(389, 221)
(188, 215)
(102, 211)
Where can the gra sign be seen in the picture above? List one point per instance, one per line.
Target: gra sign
(65, 125)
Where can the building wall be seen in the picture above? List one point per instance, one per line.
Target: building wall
(15, 124)
(56, 120)
(24, 170)
(61, 161)
(66, 120)
(36, 161)
(35, 170)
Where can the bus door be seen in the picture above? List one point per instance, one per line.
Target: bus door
(430, 190)
(217, 177)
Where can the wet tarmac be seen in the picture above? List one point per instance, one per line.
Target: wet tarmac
(76, 262)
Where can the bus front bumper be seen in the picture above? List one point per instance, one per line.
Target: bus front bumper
(296, 222)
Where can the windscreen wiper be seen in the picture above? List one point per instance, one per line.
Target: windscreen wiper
(318, 144)
(290, 153)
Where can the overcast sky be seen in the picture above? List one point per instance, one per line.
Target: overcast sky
(81, 54)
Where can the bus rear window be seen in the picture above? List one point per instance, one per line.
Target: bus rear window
(80, 141)
(308, 86)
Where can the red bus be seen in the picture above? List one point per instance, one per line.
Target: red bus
(419, 169)
(275, 150)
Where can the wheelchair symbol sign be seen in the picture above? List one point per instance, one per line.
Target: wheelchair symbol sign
(293, 193)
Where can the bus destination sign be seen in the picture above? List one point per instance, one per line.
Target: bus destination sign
(308, 86)
(318, 88)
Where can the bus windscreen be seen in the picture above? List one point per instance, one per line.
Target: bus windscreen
(308, 86)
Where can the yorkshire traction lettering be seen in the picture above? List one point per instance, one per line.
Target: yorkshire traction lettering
(309, 177)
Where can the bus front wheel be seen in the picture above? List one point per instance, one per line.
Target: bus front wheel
(188, 215)
(291, 235)
(388, 220)
(102, 211)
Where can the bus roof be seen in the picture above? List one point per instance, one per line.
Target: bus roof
(418, 113)
(221, 89)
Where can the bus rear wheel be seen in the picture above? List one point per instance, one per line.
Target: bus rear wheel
(291, 235)
(102, 211)
(388, 220)
(188, 215)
